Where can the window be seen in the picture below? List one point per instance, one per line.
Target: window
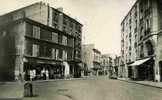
(150, 48)
(141, 52)
(55, 25)
(36, 32)
(130, 21)
(65, 20)
(70, 42)
(64, 40)
(71, 24)
(135, 14)
(35, 51)
(60, 39)
(45, 51)
(60, 54)
(55, 18)
(71, 27)
(141, 33)
(130, 48)
(70, 55)
(130, 35)
(135, 44)
(79, 29)
(64, 29)
(54, 37)
(64, 55)
(28, 48)
(123, 27)
(57, 54)
(46, 35)
(135, 29)
(53, 53)
(76, 55)
(148, 3)
(29, 30)
(3, 33)
(148, 26)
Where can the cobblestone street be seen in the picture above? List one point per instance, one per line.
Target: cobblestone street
(100, 88)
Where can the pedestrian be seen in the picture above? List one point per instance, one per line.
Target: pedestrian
(44, 76)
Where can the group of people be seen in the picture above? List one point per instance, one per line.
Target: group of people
(32, 75)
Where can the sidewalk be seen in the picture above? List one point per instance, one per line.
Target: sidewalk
(146, 83)
(11, 90)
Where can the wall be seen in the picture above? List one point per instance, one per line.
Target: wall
(158, 20)
(87, 55)
(11, 51)
(37, 12)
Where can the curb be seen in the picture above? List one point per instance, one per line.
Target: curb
(11, 98)
(141, 83)
(54, 80)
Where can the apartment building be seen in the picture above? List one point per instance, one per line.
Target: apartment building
(39, 41)
(92, 59)
(140, 46)
(106, 63)
(116, 66)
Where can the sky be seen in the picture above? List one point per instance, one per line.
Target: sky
(100, 18)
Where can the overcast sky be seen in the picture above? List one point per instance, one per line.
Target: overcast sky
(100, 18)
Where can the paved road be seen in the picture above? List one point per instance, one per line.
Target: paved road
(94, 89)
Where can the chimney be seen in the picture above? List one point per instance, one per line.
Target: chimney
(60, 9)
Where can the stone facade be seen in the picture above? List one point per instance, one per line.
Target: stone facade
(39, 39)
(91, 58)
(140, 40)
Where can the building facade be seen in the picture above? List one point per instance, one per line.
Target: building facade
(106, 63)
(91, 59)
(39, 41)
(140, 47)
(116, 66)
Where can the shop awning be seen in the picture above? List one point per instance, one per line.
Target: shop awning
(139, 62)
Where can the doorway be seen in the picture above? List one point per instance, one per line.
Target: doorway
(160, 68)
(130, 72)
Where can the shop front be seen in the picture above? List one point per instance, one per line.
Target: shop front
(142, 69)
(38, 71)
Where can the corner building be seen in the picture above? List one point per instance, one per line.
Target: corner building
(140, 41)
(39, 39)
(92, 59)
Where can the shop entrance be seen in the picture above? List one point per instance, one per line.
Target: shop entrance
(130, 72)
(34, 71)
(146, 71)
(142, 72)
(160, 68)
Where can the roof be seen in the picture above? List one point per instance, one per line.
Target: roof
(96, 50)
(40, 3)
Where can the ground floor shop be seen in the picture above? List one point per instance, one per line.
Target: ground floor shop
(36, 71)
(44, 71)
(141, 69)
(159, 71)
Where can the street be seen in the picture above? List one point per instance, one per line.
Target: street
(100, 88)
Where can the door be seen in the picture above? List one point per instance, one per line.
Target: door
(130, 72)
(160, 67)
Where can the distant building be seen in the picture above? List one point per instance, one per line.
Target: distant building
(39, 41)
(91, 59)
(141, 41)
(116, 66)
(106, 63)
